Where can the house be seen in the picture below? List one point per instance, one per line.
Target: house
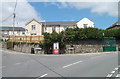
(33, 31)
(35, 27)
(115, 25)
(5, 32)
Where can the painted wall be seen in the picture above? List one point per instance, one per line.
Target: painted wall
(81, 23)
(38, 28)
(49, 29)
(16, 33)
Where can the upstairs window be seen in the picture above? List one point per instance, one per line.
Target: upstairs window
(33, 27)
(33, 34)
(53, 28)
(5, 32)
(23, 33)
(85, 25)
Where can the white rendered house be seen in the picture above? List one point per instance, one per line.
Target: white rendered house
(84, 23)
(35, 27)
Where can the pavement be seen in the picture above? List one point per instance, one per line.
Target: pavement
(17, 64)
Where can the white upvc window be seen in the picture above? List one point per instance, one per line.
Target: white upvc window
(33, 34)
(23, 33)
(5, 32)
(33, 27)
(85, 25)
(53, 28)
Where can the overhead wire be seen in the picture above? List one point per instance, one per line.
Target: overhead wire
(14, 16)
(7, 18)
(46, 67)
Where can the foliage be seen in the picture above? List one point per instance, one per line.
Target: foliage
(9, 44)
(1, 39)
(72, 35)
(82, 34)
(112, 33)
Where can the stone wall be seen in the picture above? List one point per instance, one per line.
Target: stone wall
(118, 43)
(26, 48)
(3, 45)
(83, 49)
(89, 46)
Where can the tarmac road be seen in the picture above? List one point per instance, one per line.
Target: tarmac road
(79, 65)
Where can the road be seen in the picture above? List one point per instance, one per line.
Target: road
(80, 65)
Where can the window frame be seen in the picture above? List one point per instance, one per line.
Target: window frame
(85, 25)
(33, 27)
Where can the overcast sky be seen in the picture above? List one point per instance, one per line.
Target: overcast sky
(102, 13)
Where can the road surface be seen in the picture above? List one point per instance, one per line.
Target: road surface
(80, 65)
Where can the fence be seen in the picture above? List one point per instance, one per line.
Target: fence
(26, 38)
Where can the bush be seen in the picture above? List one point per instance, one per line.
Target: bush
(9, 45)
(112, 33)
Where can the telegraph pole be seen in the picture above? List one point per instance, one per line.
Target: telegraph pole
(14, 16)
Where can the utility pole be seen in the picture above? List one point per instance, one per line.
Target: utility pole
(13, 29)
(14, 16)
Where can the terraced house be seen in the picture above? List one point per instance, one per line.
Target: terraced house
(33, 31)
(35, 27)
(7, 31)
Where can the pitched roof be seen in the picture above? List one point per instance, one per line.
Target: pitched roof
(11, 28)
(59, 22)
(117, 24)
(31, 21)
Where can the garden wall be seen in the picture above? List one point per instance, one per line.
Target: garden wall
(88, 46)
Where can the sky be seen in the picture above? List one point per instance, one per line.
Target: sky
(103, 14)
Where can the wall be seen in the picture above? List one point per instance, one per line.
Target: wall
(8, 33)
(3, 45)
(26, 48)
(48, 29)
(17, 33)
(83, 49)
(85, 46)
(58, 29)
(85, 21)
(88, 46)
(118, 44)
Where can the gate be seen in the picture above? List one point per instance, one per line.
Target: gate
(109, 44)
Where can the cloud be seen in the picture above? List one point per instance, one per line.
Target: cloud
(111, 8)
(24, 13)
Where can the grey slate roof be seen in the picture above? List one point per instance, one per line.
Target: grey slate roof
(59, 23)
(117, 24)
(11, 28)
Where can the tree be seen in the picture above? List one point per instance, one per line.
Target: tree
(112, 33)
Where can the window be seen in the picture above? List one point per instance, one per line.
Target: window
(85, 25)
(65, 27)
(23, 33)
(33, 34)
(33, 27)
(18, 32)
(53, 28)
(13, 32)
(5, 32)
